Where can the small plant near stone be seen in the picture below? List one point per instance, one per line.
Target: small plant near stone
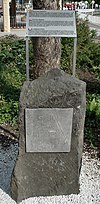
(93, 105)
(92, 128)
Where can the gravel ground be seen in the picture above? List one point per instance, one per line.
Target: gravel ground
(89, 188)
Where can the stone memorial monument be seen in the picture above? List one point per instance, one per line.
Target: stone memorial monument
(51, 126)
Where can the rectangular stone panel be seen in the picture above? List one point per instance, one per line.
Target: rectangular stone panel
(48, 129)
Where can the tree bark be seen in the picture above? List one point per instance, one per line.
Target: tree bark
(47, 51)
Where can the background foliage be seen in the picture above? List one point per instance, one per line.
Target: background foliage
(88, 52)
(12, 75)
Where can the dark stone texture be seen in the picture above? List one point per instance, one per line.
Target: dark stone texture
(41, 174)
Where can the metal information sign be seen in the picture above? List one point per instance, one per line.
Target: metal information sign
(50, 23)
(53, 23)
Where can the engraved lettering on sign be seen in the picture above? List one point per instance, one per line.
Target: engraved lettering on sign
(50, 14)
(49, 33)
(44, 23)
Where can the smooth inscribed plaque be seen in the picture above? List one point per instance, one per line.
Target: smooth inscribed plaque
(48, 129)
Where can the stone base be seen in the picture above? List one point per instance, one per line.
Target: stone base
(48, 174)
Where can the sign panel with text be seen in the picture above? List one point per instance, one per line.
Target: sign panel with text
(51, 23)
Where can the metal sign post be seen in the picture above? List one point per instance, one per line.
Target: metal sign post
(74, 56)
(27, 49)
(51, 23)
(27, 59)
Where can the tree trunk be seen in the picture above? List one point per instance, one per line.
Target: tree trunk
(47, 51)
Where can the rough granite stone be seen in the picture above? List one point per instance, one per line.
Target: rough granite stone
(48, 174)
